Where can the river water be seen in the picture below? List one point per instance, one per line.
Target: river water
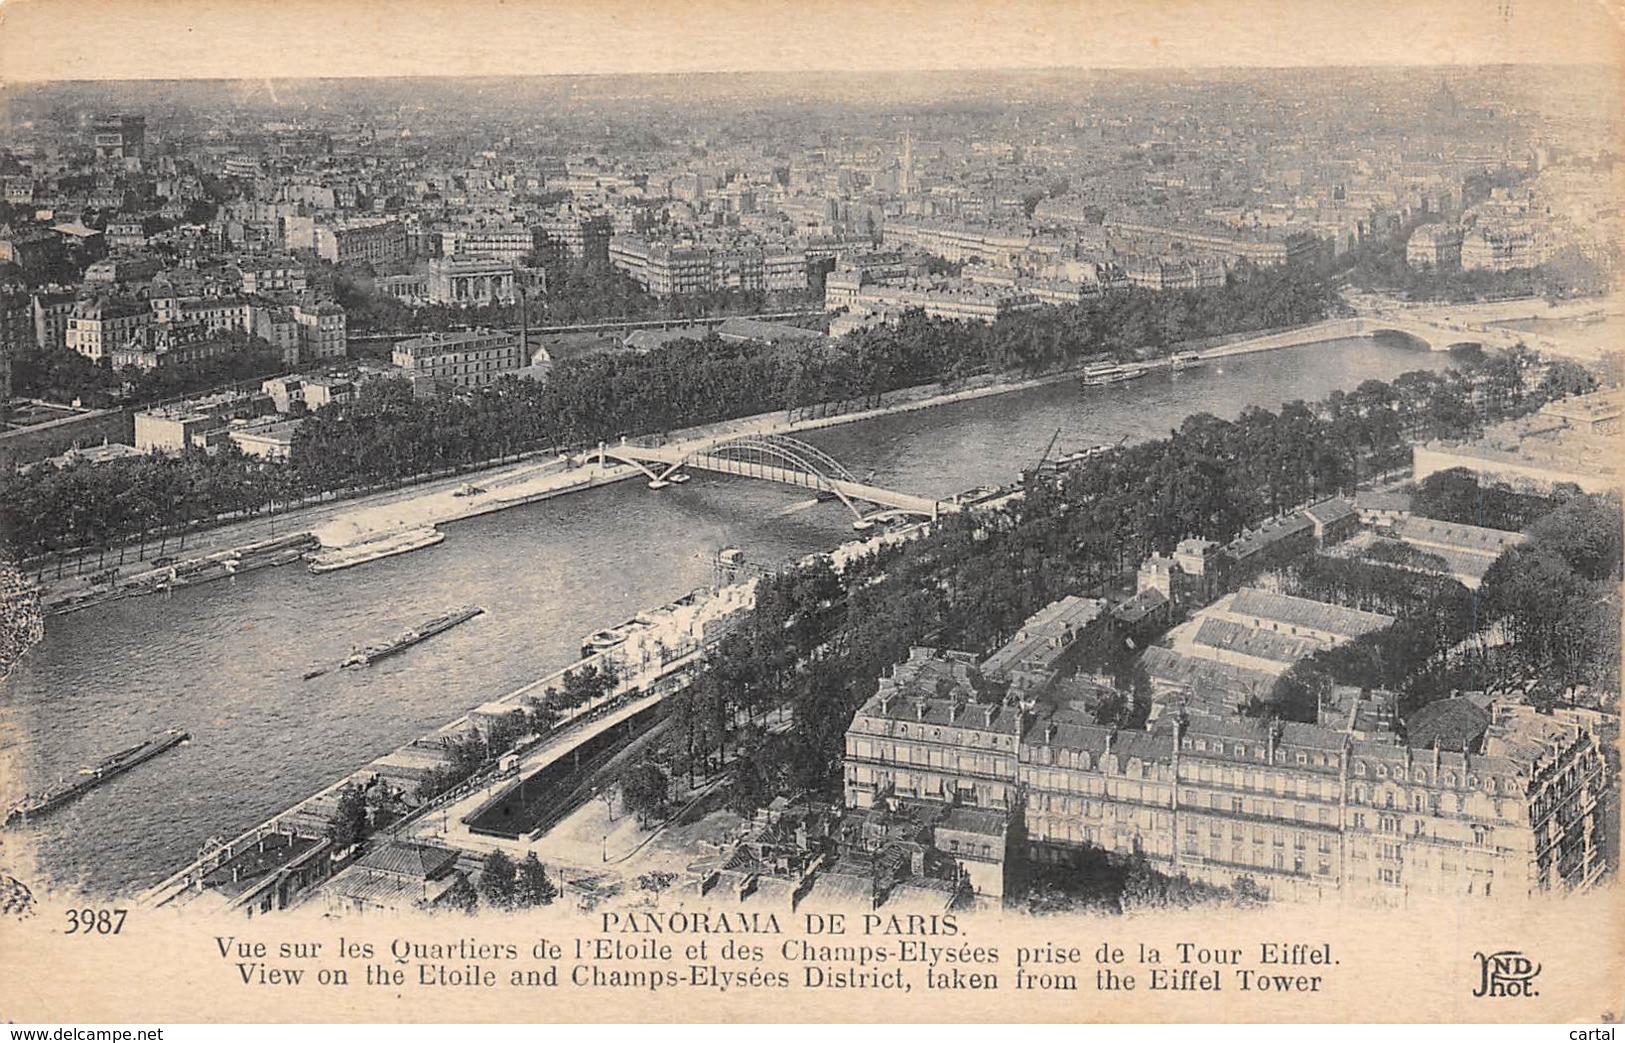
(226, 660)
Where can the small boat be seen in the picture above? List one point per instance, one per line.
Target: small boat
(411, 636)
(658, 483)
(36, 804)
(1103, 373)
(1186, 360)
(971, 497)
(679, 478)
(319, 671)
(468, 489)
(1080, 455)
(372, 550)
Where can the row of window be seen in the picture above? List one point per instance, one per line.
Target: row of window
(1318, 758)
(1450, 804)
(1303, 786)
(1264, 808)
(1277, 862)
(955, 738)
(1238, 834)
(1129, 791)
(1420, 775)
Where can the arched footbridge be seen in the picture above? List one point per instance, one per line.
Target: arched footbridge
(775, 458)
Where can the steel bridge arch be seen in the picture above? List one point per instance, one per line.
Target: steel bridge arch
(780, 452)
(801, 455)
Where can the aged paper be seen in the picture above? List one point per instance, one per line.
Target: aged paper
(749, 511)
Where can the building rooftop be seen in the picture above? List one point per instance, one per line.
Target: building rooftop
(1140, 606)
(1317, 615)
(414, 861)
(1248, 729)
(982, 821)
(1311, 736)
(1380, 501)
(755, 329)
(435, 343)
(1588, 409)
(1062, 734)
(249, 866)
(1268, 534)
(1471, 538)
(1252, 641)
(955, 713)
(1236, 684)
(1045, 637)
(1149, 747)
(1328, 512)
(387, 891)
(1451, 724)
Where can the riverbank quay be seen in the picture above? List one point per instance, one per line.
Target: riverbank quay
(276, 862)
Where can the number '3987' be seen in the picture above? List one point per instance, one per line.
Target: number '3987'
(95, 921)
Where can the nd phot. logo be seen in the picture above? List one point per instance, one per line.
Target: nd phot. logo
(1506, 973)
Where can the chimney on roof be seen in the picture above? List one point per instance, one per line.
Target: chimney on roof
(953, 711)
(987, 712)
(919, 709)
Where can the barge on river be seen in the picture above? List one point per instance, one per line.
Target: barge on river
(412, 636)
(1103, 373)
(36, 804)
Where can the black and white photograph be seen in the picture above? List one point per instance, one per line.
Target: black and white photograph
(730, 511)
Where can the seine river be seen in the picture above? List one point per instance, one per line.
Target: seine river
(226, 660)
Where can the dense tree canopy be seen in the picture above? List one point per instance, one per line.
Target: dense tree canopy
(1558, 594)
(62, 375)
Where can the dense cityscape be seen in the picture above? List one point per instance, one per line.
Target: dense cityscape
(1326, 605)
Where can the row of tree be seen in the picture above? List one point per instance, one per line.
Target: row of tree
(62, 375)
(1458, 496)
(1557, 594)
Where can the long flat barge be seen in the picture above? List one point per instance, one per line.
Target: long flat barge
(36, 804)
(412, 636)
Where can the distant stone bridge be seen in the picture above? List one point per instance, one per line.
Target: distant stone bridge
(1436, 336)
